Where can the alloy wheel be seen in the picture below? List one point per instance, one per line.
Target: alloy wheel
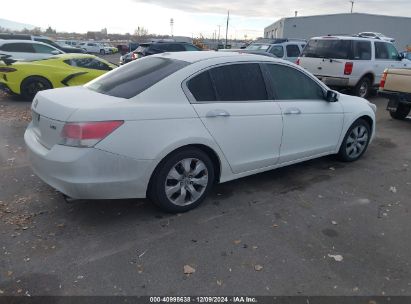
(357, 141)
(186, 181)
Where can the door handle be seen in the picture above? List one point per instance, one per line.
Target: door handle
(217, 113)
(292, 111)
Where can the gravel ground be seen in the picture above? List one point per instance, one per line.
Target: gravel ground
(317, 228)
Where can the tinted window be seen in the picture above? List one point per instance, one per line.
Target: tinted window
(89, 63)
(328, 48)
(239, 82)
(133, 78)
(290, 83)
(18, 47)
(293, 50)
(278, 51)
(362, 50)
(202, 88)
(43, 49)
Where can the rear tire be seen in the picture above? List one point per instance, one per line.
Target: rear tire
(32, 85)
(356, 141)
(182, 180)
(402, 112)
(363, 87)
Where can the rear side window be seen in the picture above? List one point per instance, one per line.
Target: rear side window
(293, 50)
(289, 83)
(235, 82)
(202, 88)
(18, 47)
(362, 50)
(328, 48)
(135, 77)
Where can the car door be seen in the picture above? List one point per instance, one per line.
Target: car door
(233, 104)
(387, 56)
(311, 125)
(19, 51)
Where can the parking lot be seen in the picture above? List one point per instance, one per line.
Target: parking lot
(317, 228)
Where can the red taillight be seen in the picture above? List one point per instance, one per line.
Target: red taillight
(134, 56)
(87, 134)
(383, 80)
(298, 61)
(348, 68)
(7, 70)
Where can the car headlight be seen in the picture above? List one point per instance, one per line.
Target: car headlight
(373, 107)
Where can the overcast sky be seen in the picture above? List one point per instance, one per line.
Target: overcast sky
(191, 17)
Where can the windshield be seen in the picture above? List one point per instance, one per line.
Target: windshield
(328, 48)
(133, 78)
(258, 47)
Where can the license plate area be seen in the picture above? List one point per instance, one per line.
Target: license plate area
(392, 105)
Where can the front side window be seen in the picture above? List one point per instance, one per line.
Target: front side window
(43, 49)
(228, 83)
(277, 51)
(289, 84)
(293, 50)
(362, 50)
(89, 63)
(392, 52)
(189, 47)
(133, 78)
(18, 47)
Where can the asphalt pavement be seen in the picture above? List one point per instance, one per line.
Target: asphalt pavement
(318, 228)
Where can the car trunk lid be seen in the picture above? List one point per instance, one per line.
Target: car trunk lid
(51, 109)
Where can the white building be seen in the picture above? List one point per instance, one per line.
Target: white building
(398, 28)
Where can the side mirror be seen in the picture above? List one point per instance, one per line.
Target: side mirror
(401, 56)
(331, 96)
(55, 52)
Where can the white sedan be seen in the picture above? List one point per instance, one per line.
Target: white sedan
(169, 126)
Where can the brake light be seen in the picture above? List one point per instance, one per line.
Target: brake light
(7, 70)
(134, 56)
(298, 61)
(348, 68)
(383, 80)
(87, 134)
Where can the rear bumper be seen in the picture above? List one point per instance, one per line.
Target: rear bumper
(334, 81)
(88, 173)
(404, 98)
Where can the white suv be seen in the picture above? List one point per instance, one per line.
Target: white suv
(350, 62)
(94, 47)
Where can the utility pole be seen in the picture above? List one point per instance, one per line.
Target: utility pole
(226, 30)
(352, 5)
(172, 26)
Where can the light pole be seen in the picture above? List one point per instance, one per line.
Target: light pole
(226, 30)
(352, 5)
(172, 26)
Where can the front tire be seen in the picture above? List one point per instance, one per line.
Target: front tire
(356, 141)
(363, 88)
(32, 85)
(182, 180)
(401, 112)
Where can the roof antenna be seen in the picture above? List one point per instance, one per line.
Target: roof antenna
(352, 5)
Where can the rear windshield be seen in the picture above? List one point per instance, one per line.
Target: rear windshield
(328, 48)
(135, 77)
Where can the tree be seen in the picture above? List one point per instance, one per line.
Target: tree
(49, 31)
(140, 32)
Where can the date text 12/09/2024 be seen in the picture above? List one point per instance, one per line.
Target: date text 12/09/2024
(239, 299)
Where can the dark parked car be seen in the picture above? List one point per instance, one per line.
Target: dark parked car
(66, 49)
(151, 48)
